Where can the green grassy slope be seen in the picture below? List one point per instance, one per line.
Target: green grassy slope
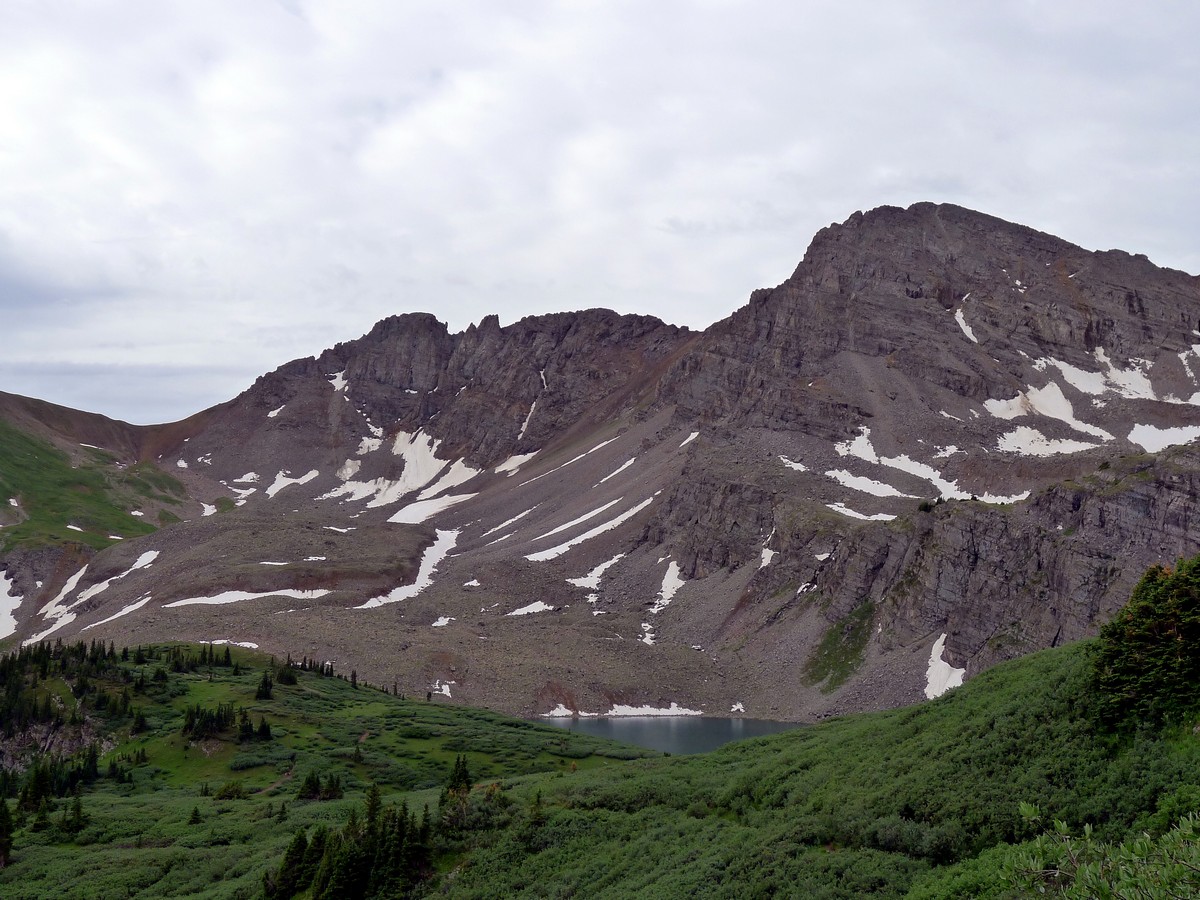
(874, 805)
(96, 496)
(933, 801)
(138, 841)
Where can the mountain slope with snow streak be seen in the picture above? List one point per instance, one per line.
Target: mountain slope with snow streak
(941, 429)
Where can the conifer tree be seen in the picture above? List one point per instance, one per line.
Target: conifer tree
(6, 833)
(287, 881)
(264, 687)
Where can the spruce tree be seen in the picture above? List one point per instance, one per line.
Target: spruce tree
(287, 881)
(6, 833)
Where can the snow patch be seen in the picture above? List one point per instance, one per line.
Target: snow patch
(421, 466)
(348, 469)
(443, 687)
(846, 511)
(560, 549)
(132, 607)
(442, 622)
(238, 596)
(1131, 382)
(591, 580)
(1031, 442)
(561, 712)
(74, 528)
(143, 561)
(588, 515)
(338, 530)
(273, 413)
(368, 445)
(474, 582)
(621, 468)
(866, 485)
(181, 463)
(418, 512)
(647, 634)
(536, 607)
(792, 464)
(9, 601)
(283, 479)
(458, 473)
(859, 446)
(962, 323)
(338, 380)
(941, 676)
(56, 611)
(1048, 401)
(767, 556)
(821, 557)
(208, 510)
(862, 448)
(528, 418)
(737, 707)
(511, 521)
(430, 560)
(248, 478)
(569, 461)
(687, 440)
(513, 463)
(673, 710)
(671, 584)
(1153, 439)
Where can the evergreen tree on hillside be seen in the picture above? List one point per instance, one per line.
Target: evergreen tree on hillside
(264, 688)
(6, 833)
(460, 777)
(1148, 661)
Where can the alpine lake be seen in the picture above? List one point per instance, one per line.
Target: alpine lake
(673, 734)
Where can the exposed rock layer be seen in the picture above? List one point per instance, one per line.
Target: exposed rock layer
(938, 424)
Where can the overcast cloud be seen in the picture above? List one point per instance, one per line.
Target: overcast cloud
(192, 194)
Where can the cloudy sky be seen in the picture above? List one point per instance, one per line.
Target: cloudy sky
(192, 194)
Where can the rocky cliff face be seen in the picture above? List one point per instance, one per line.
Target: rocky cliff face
(941, 424)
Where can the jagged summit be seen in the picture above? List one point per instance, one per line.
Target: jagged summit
(944, 441)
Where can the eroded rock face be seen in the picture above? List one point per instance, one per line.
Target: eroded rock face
(942, 423)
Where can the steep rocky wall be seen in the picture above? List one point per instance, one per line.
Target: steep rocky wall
(1003, 581)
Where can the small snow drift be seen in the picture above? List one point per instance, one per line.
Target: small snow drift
(430, 560)
(941, 676)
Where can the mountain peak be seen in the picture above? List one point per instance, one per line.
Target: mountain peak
(944, 439)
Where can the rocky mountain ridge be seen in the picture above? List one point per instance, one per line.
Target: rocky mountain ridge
(944, 441)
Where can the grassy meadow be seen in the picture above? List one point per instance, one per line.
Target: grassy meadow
(1072, 772)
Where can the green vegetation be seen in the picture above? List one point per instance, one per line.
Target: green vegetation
(840, 652)
(96, 496)
(248, 778)
(1149, 665)
(169, 778)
